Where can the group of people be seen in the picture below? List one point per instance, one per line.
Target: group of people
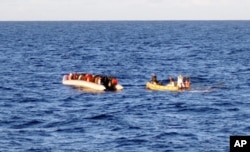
(107, 81)
(182, 82)
(110, 82)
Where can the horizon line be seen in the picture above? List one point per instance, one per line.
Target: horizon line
(132, 20)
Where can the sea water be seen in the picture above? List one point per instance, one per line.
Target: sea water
(39, 113)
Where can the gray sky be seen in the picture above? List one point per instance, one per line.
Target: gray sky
(124, 10)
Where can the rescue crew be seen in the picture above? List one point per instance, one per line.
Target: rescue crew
(182, 82)
(154, 79)
(171, 81)
(187, 83)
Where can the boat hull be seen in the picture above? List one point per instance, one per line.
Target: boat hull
(152, 86)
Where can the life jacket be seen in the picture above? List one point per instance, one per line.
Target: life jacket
(83, 77)
(73, 76)
(114, 81)
(76, 76)
(89, 77)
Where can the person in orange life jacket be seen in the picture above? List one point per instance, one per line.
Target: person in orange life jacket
(73, 76)
(76, 76)
(83, 76)
(114, 81)
(89, 77)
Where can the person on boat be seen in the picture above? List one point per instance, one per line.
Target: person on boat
(114, 81)
(187, 83)
(83, 76)
(171, 81)
(154, 79)
(109, 82)
(104, 81)
(97, 79)
(180, 83)
(73, 76)
(76, 76)
(69, 76)
(89, 77)
(80, 77)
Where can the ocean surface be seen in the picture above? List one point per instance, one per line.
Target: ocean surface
(39, 113)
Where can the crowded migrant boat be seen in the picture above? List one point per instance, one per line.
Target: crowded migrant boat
(96, 82)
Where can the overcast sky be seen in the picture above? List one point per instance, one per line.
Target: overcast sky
(124, 10)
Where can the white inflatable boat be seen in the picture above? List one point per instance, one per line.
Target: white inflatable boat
(87, 84)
